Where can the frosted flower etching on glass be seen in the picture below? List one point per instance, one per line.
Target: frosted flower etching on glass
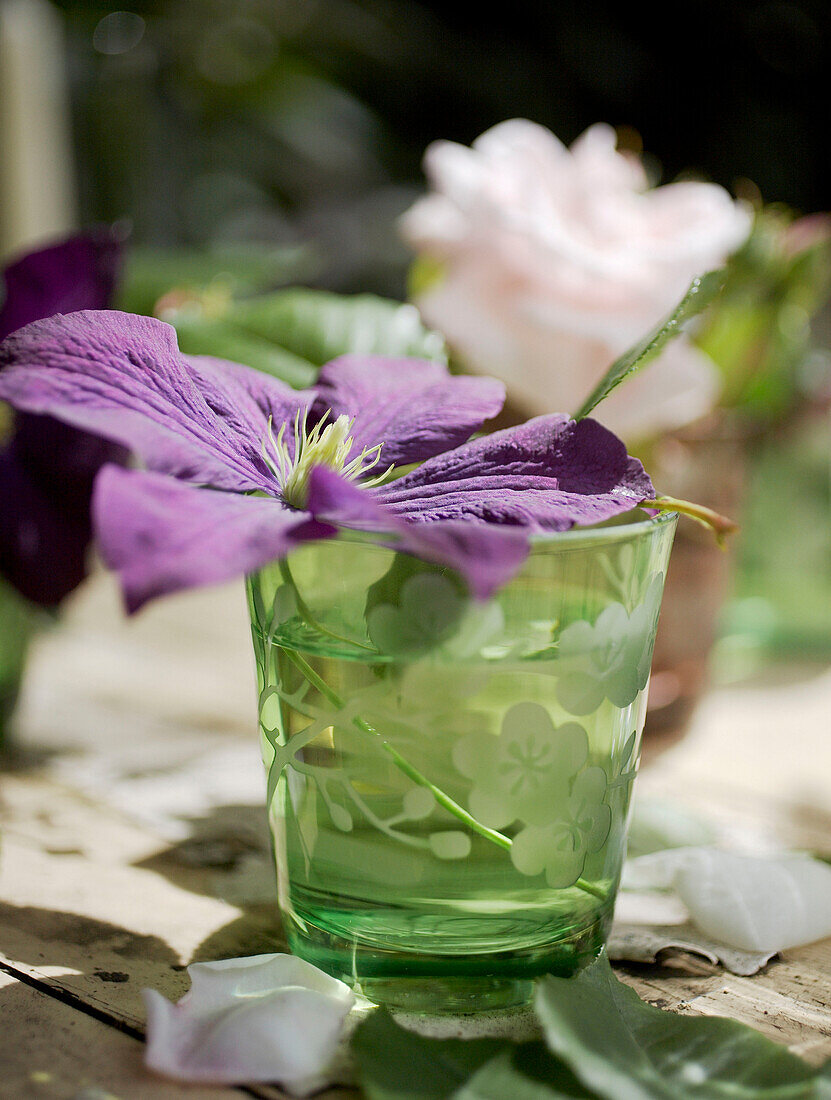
(523, 774)
(580, 828)
(610, 659)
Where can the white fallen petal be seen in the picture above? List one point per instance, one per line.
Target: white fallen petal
(657, 824)
(654, 871)
(757, 903)
(268, 1018)
(217, 984)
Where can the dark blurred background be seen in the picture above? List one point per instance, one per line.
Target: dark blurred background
(291, 121)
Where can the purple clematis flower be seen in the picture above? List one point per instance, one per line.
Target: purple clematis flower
(47, 469)
(240, 469)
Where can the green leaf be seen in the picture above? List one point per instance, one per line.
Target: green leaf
(223, 339)
(151, 273)
(396, 1064)
(528, 1072)
(624, 1049)
(759, 334)
(701, 292)
(290, 334)
(318, 326)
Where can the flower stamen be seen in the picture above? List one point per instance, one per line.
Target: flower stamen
(326, 444)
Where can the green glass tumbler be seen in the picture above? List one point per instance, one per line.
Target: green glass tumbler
(449, 779)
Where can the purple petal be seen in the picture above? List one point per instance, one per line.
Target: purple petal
(122, 377)
(43, 538)
(546, 475)
(78, 273)
(162, 536)
(413, 406)
(256, 396)
(486, 556)
(47, 471)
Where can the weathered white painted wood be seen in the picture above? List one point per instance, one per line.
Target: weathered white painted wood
(49, 1049)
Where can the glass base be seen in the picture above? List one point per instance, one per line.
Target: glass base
(442, 983)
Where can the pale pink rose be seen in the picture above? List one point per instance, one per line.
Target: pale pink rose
(555, 261)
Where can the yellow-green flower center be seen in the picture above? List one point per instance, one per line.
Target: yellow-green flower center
(324, 445)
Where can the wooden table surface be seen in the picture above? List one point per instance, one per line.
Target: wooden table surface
(133, 839)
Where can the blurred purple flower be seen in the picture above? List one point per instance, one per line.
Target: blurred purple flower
(241, 469)
(47, 469)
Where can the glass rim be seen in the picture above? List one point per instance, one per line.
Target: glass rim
(617, 532)
(573, 537)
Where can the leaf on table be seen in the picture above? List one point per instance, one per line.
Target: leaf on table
(699, 295)
(528, 1072)
(756, 903)
(652, 943)
(624, 1049)
(394, 1063)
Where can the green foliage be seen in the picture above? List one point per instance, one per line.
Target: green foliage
(224, 338)
(425, 273)
(288, 334)
(318, 326)
(782, 600)
(759, 331)
(151, 273)
(528, 1072)
(701, 292)
(396, 1064)
(602, 1041)
(624, 1049)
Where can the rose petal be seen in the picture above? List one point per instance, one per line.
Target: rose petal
(554, 261)
(757, 903)
(486, 556)
(268, 1018)
(546, 475)
(162, 536)
(415, 407)
(122, 377)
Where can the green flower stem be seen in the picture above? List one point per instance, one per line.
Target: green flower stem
(413, 773)
(401, 762)
(305, 611)
(720, 525)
